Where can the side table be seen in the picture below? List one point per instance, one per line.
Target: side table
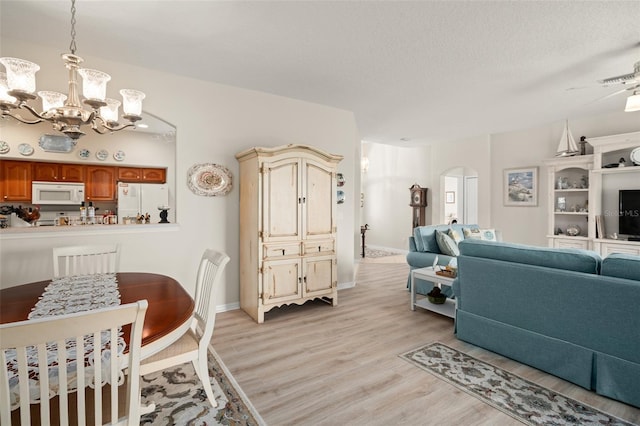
(448, 308)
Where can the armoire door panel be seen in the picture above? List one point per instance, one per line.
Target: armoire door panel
(319, 275)
(319, 187)
(281, 200)
(281, 281)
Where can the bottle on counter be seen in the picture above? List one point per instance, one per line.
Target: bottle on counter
(83, 213)
(91, 213)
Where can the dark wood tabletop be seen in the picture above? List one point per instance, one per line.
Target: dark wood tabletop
(170, 306)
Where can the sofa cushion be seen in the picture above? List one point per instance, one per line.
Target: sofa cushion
(621, 266)
(455, 235)
(446, 244)
(480, 234)
(425, 236)
(567, 259)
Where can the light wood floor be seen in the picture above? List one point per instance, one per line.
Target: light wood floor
(321, 365)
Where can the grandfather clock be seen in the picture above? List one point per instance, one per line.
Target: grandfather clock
(418, 203)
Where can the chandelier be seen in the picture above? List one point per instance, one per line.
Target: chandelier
(65, 112)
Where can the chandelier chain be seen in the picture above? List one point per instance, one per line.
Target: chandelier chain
(72, 46)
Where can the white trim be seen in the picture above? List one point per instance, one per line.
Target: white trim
(64, 231)
(342, 286)
(228, 307)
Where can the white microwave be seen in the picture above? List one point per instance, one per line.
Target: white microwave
(54, 193)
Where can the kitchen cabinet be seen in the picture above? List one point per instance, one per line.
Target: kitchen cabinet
(58, 172)
(142, 175)
(287, 227)
(100, 183)
(16, 180)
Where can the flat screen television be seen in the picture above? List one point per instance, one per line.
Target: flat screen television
(629, 220)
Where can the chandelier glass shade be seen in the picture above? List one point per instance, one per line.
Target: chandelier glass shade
(66, 112)
(633, 102)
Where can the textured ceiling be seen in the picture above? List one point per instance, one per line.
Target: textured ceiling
(425, 71)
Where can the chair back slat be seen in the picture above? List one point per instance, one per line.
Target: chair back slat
(210, 271)
(85, 260)
(56, 335)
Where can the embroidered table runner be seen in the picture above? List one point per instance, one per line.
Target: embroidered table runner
(68, 295)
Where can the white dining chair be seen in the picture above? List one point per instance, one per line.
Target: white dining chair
(193, 345)
(38, 381)
(83, 260)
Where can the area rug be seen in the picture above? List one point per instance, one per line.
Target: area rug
(521, 399)
(180, 398)
(375, 253)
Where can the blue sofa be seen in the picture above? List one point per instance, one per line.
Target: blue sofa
(423, 249)
(564, 311)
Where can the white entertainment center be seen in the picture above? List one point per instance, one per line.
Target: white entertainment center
(583, 192)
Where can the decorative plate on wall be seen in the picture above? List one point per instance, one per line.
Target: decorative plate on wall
(118, 156)
(56, 143)
(102, 155)
(84, 153)
(4, 147)
(209, 179)
(25, 149)
(635, 156)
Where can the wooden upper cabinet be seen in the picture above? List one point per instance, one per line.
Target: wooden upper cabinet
(56, 172)
(142, 174)
(72, 172)
(154, 175)
(16, 177)
(129, 174)
(100, 183)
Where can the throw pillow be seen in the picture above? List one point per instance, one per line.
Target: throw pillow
(480, 234)
(455, 235)
(446, 244)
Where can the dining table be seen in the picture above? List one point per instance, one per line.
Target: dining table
(167, 318)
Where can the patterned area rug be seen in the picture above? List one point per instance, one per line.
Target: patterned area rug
(374, 253)
(523, 400)
(180, 398)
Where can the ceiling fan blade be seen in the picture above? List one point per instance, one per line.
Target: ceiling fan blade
(616, 93)
(620, 79)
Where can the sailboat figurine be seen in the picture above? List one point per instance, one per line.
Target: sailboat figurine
(567, 146)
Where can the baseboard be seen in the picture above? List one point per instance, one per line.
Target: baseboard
(228, 307)
(342, 286)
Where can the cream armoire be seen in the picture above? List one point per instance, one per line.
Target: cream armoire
(287, 227)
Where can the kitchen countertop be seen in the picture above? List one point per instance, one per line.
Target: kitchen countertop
(31, 231)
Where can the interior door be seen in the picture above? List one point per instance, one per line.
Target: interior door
(470, 199)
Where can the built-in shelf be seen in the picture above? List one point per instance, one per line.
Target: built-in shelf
(617, 170)
(575, 237)
(574, 213)
(566, 195)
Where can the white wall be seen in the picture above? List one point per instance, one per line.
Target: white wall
(530, 147)
(213, 123)
(393, 169)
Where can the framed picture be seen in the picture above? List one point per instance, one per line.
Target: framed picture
(450, 197)
(521, 187)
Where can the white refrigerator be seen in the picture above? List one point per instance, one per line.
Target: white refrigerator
(141, 198)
